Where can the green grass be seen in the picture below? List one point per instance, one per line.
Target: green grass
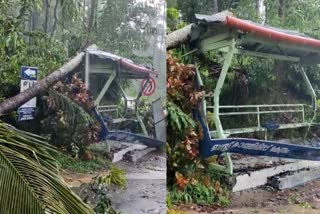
(81, 166)
(295, 199)
(198, 193)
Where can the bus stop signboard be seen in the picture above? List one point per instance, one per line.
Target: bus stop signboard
(28, 77)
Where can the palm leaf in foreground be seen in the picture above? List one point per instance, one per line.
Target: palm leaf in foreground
(29, 177)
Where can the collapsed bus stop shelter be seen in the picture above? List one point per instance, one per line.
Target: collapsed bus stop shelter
(229, 35)
(102, 69)
(104, 75)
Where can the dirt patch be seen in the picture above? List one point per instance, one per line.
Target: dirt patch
(290, 209)
(307, 195)
(264, 200)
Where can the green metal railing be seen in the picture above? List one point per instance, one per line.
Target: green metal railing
(262, 110)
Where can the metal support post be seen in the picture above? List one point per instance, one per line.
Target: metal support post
(229, 166)
(87, 70)
(105, 88)
(313, 97)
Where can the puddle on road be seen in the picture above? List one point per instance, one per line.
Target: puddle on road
(146, 187)
(141, 196)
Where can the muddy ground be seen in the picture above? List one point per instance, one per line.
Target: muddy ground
(265, 200)
(146, 187)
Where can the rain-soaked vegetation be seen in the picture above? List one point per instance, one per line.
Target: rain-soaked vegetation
(250, 80)
(46, 34)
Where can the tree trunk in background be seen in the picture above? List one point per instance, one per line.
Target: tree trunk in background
(13, 103)
(91, 20)
(46, 15)
(28, 25)
(215, 7)
(55, 13)
(84, 21)
(281, 9)
(261, 11)
(35, 19)
(178, 37)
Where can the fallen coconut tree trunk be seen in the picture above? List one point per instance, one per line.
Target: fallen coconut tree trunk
(42, 85)
(183, 35)
(178, 37)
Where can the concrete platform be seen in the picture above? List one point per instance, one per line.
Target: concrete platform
(292, 179)
(251, 172)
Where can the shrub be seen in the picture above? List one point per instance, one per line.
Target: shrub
(67, 120)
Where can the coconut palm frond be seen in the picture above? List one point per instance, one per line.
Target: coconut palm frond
(29, 179)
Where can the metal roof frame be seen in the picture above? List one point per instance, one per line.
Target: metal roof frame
(254, 39)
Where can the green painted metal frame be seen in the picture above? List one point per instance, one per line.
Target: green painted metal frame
(219, 85)
(281, 45)
(313, 97)
(87, 69)
(124, 96)
(138, 116)
(105, 87)
(112, 77)
(139, 119)
(295, 108)
(144, 130)
(263, 55)
(230, 44)
(226, 42)
(228, 169)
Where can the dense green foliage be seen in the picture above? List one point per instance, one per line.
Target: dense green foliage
(130, 23)
(20, 46)
(189, 178)
(249, 81)
(294, 14)
(44, 34)
(68, 120)
(258, 76)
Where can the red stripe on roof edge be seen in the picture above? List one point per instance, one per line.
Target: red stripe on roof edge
(137, 68)
(269, 33)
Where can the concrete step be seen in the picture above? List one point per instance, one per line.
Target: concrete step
(292, 179)
(260, 177)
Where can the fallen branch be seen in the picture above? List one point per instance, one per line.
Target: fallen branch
(178, 37)
(42, 85)
(183, 35)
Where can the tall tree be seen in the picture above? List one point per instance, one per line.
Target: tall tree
(91, 21)
(46, 5)
(281, 9)
(55, 13)
(124, 26)
(261, 11)
(215, 6)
